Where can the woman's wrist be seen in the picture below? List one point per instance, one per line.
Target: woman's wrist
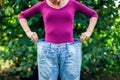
(27, 31)
(88, 30)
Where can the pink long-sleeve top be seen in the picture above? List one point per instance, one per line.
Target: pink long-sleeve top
(58, 22)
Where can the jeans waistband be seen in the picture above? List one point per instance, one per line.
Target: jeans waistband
(76, 40)
(43, 42)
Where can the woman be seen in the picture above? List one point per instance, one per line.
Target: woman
(59, 53)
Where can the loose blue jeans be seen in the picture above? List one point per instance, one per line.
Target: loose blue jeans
(59, 59)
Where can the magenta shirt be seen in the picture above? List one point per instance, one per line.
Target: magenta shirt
(58, 22)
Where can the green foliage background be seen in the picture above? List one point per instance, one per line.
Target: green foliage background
(101, 52)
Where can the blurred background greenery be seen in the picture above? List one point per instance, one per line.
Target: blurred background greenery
(101, 52)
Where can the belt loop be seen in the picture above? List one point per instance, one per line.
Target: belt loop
(67, 46)
(50, 45)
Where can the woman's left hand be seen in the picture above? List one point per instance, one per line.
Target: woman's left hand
(84, 36)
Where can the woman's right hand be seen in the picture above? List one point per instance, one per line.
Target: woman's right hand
(32, 35)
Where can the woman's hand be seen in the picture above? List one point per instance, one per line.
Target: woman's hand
(32, 35)
(85, 35)
(88, 33)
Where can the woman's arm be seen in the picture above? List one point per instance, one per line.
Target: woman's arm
(92, 24)
(29, 33)
(92, 14)
(23, 20)
(88, 33)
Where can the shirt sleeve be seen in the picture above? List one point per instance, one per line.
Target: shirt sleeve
(30, 12)
(85, 10)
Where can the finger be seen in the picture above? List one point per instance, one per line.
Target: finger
(32, 37)
(35, 37)
(82, 36)
(86, 37)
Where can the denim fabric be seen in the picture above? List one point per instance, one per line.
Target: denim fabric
(59, 59)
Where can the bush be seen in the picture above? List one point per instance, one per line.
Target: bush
(101, 53)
